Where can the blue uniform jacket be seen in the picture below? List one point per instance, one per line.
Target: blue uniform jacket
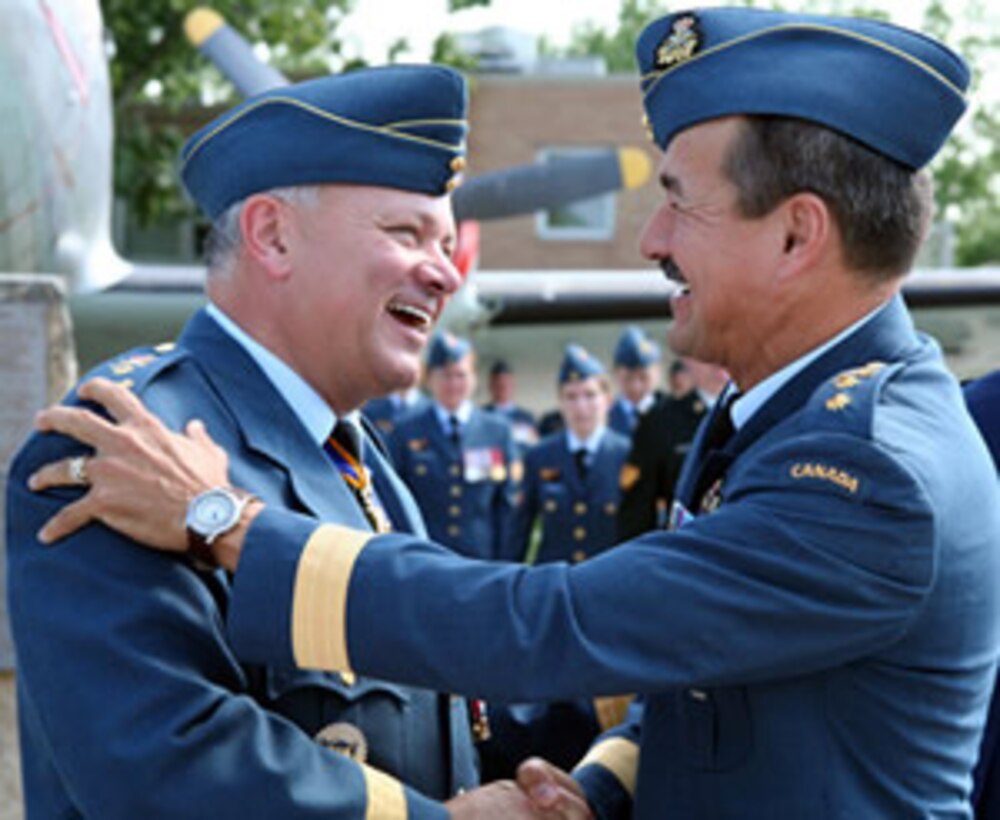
(131, 702)
(983, 399)
(822, 644)
(578, 515)
(465, 495)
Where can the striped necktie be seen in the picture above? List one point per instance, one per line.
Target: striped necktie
(344, 448)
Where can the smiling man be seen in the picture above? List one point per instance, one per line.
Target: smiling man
(818, 635)
(329, 264)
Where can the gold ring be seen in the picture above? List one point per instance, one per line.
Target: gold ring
(78, 470)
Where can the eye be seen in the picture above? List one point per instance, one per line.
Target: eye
(408, 235)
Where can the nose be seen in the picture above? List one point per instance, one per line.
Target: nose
(654, 239)
(438, 273)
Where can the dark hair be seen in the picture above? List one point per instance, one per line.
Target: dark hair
(883, 209)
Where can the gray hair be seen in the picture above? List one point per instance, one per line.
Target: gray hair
(225, 237)
(882, 208)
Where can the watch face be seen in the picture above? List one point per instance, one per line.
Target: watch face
(213, 512)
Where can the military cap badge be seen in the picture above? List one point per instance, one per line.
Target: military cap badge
(680, 44)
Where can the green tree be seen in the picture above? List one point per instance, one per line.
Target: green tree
(159, 84)
(967, 172)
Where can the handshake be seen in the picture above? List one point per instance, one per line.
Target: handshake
(540, 791)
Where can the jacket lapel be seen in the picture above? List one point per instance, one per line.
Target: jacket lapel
(268, 425)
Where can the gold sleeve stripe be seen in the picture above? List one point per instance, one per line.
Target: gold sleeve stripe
(611, 711)
(619, 756)
(319, 600)
(386, 799)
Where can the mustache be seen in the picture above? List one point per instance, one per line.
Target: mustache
(672, 271)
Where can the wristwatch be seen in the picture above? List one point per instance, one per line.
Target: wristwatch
(209, 515)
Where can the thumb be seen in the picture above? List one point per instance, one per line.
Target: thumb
(538, 781)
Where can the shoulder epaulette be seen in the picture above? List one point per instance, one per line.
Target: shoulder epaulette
(139, 366)
(847, 401)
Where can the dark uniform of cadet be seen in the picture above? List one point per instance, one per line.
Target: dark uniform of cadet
(660, 443)
(634, 351)
(462, 473)
(819, 635)
(131, 701)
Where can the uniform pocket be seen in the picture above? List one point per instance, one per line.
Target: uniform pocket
(717, 726)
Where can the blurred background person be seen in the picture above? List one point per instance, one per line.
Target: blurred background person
(458, 460)
(571, 477)
(637, 373)
(679, 379)
(502, 388)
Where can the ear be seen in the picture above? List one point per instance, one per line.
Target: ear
(265, 222)
(808, 226)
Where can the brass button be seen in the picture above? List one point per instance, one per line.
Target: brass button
(578, 556)
(456, 490)
(610, 508)
(454, 530)
(452, 184)
(579, 533)
(458, 164)
(421, 469)
(454, 470)
(454, 511)
(551, 506)
(580, 508)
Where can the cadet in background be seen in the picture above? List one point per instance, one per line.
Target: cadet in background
(571, 477)
(637, 373)
(458, 460)
(502, 388)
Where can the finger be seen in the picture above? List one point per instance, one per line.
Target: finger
(67, 521)
(120, 402)
(556, 775)
(76, 422)
(55, 474)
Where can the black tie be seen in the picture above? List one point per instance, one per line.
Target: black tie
(349, 437)
(456, 431)
(581, 462)
(722, 427)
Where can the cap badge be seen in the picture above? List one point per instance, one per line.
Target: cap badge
(680, 44)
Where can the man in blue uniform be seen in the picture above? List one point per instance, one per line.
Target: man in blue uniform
(637, 372)
(571, 477)
(459, 461)
(329, 264)
(502, 388)
(982, 395)
(818, 636)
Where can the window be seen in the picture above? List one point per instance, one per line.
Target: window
(588, 220)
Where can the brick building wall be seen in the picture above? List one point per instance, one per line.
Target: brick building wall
(515, 117)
